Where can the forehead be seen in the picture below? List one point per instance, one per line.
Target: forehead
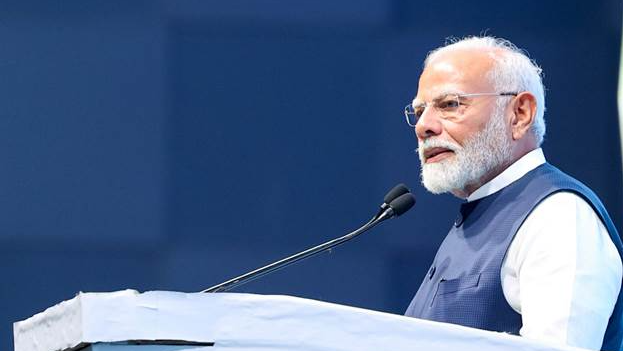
(456, 71)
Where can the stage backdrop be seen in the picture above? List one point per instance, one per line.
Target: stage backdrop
(173, 144)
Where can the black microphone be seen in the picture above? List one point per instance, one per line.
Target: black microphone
(397, 201)
(402, 203)
(396, 191)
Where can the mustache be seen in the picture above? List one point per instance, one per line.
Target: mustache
(430, 143)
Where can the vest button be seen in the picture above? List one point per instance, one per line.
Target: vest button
(458, 221)
(431, 272)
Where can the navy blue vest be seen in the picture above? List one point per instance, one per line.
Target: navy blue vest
(463, 284)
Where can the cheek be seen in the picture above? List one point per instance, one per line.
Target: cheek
(457, 133)
(468, 127)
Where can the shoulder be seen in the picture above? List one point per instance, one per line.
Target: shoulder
(565, 227)
(565, 221)
(564, 212)
(565, 205)
(561, 193)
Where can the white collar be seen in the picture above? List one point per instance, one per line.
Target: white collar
(525, 164)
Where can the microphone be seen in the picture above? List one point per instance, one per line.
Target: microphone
(396, 191)
(397, 201)
(401, 204)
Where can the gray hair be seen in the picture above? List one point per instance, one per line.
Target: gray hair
(513, 71)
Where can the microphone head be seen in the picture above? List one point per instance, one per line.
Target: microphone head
(395, 192)
(402, 203)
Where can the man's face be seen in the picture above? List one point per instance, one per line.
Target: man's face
(459, 152)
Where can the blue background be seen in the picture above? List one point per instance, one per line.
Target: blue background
(174, 144)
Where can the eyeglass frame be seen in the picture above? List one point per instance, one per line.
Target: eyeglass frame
(458, 96)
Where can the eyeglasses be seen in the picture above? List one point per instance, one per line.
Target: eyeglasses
(448, 106)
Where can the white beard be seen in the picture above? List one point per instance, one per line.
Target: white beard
(481, 153)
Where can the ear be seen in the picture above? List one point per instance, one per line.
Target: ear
(524, 112)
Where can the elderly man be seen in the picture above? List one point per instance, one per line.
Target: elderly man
(533, 251)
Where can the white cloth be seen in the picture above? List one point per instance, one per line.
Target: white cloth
(561, 272)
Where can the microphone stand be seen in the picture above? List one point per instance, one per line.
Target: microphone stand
(247, 277)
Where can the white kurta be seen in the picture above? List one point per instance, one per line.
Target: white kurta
(561, 272)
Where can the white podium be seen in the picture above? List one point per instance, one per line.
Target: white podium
(170, 321)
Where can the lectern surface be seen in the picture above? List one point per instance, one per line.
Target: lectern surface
(117, 347)
(242, 322)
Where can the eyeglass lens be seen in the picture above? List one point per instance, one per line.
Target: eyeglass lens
(447, 106)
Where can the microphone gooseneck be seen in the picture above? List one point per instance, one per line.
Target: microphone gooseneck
(397, 201)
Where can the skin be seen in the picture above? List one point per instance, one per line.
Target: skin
(464, 71)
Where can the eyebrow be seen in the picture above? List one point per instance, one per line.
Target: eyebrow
(440, 95)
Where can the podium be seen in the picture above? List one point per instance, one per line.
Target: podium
(172, 321)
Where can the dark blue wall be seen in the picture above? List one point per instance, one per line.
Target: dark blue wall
(174, 144)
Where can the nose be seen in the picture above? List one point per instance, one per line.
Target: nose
(428, 125)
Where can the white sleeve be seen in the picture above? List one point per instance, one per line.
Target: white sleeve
(563, 273)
